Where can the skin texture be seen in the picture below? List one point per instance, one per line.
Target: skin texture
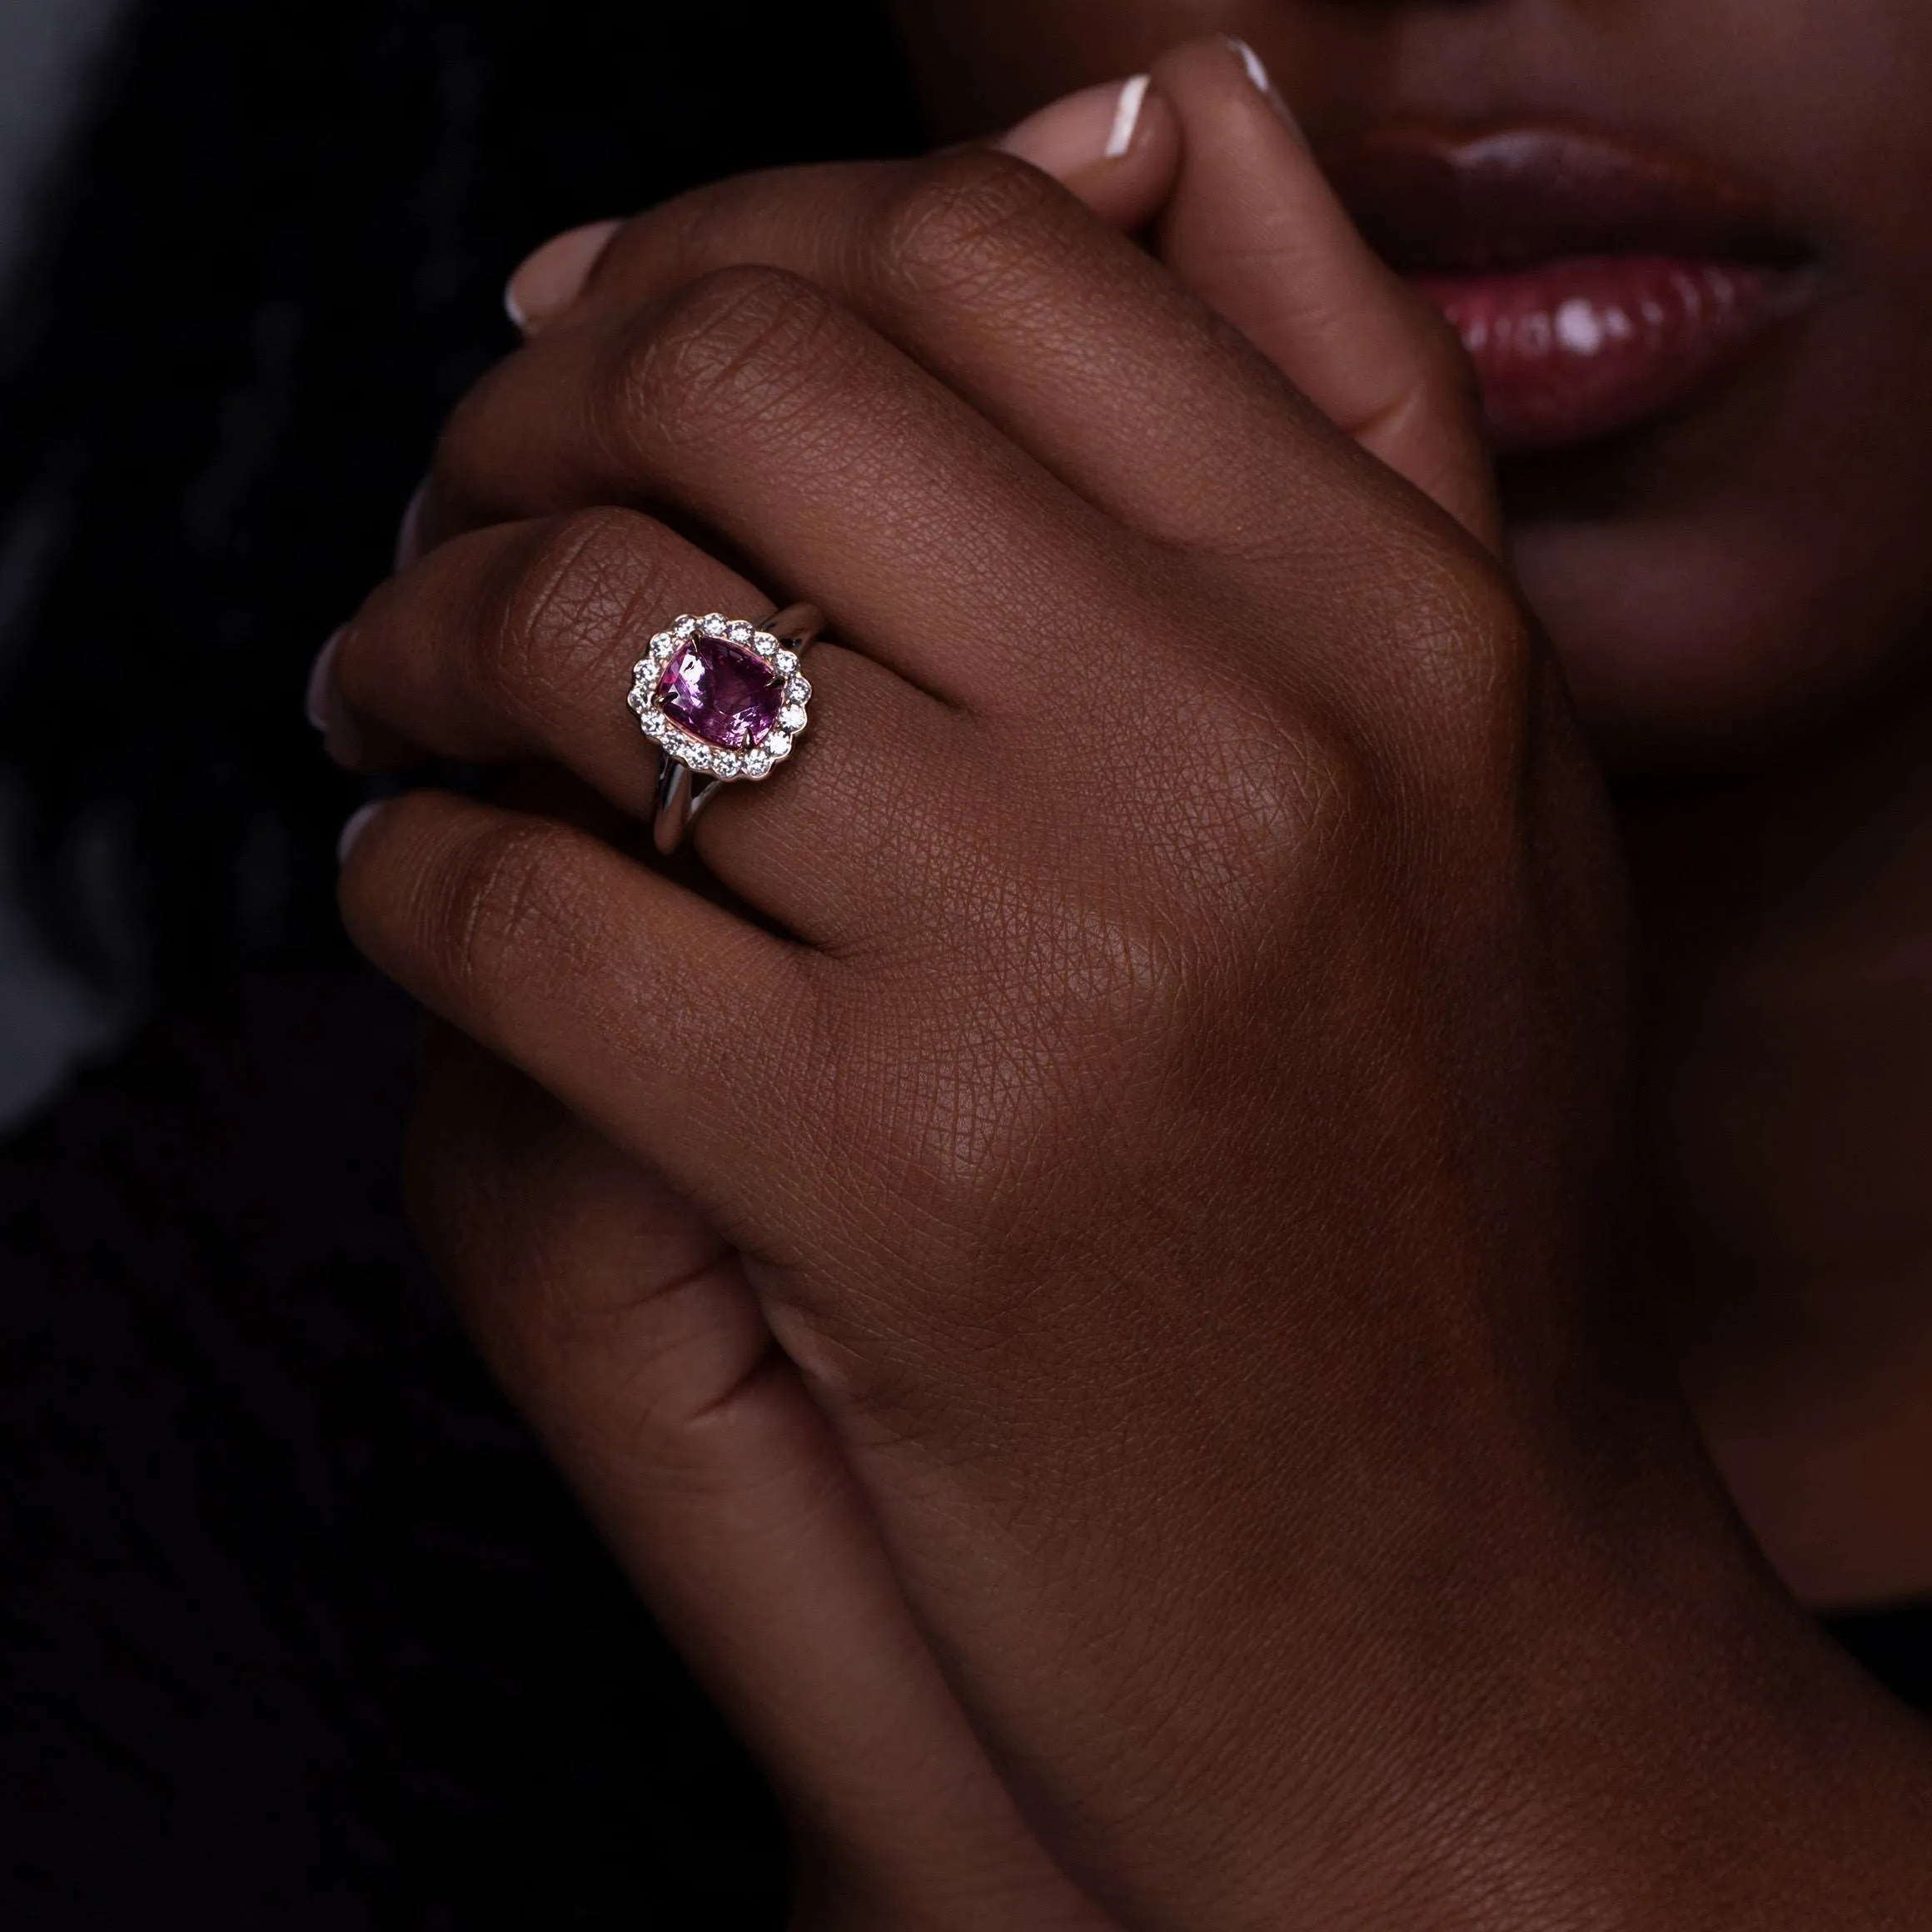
(1763, 702)
(1140, 1243)
(1688, 620)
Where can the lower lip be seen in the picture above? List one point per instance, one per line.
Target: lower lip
(1578, 351)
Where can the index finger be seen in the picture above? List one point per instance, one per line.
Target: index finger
(1070, 339)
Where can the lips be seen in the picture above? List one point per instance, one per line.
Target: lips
(1597, 287)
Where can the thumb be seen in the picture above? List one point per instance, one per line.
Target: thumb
(626, 1332)
(1254, 230)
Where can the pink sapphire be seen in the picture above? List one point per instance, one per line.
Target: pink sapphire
(727, 696)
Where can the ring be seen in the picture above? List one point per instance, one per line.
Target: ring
(722, 699)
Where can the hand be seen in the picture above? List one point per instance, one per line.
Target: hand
(629, 1336)
(1175, 1142)
(668, 1403)
(624, 1327)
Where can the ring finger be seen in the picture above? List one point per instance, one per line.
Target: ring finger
(516, 643)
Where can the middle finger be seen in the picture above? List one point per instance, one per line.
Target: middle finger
(755, 407)
(1079, 346)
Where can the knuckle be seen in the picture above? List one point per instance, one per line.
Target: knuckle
(1448, 721)
(1290, 793)
(567, 595)
(738, 348)
(502, 912)
(1265, 793)
(1469, 655)
(1262, 768)
(975, 219)
(1441, 649)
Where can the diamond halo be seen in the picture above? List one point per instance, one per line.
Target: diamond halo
(704, 652)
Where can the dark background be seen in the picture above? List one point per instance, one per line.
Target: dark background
(297, 1629)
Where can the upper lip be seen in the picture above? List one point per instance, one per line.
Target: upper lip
(1436, 201)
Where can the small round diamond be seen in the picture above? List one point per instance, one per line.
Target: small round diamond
(720, 696)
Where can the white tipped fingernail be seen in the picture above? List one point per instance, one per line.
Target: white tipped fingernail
(1249, 59)
(409, 533)
(316, 698)
(1066, 136)
(1126, 117)
(353, 830)
(551, 279)
(1260, 79)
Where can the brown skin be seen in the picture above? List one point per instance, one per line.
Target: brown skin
(1193, 1231)
(1786, 912)
(1691, 623)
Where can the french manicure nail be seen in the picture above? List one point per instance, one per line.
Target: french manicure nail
(1096, 124)
(315, 699)
(1126, 117)
(343, 738)
(409, 532)
(1257, 74)
(357, 824)
(551, 279)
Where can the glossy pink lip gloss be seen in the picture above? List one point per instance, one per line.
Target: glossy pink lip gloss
(1595, 282)
(1572, 352)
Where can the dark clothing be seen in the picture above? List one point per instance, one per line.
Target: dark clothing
(299, 1631)
(1895, 1645)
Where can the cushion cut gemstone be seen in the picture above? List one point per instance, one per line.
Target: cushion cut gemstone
(729, 697)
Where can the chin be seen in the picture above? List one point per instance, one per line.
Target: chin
(1728, 587)
(1684, 647)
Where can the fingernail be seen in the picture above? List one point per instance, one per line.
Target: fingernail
(353, 830)
(553, 278)
(345, 739)
(317, 701)
(409, 532)
(1257, 73)
(1126, 117)
(1096, 124)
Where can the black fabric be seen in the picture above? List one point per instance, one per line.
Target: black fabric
(298, 1630)
(276, 260)
(1896, 1646)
